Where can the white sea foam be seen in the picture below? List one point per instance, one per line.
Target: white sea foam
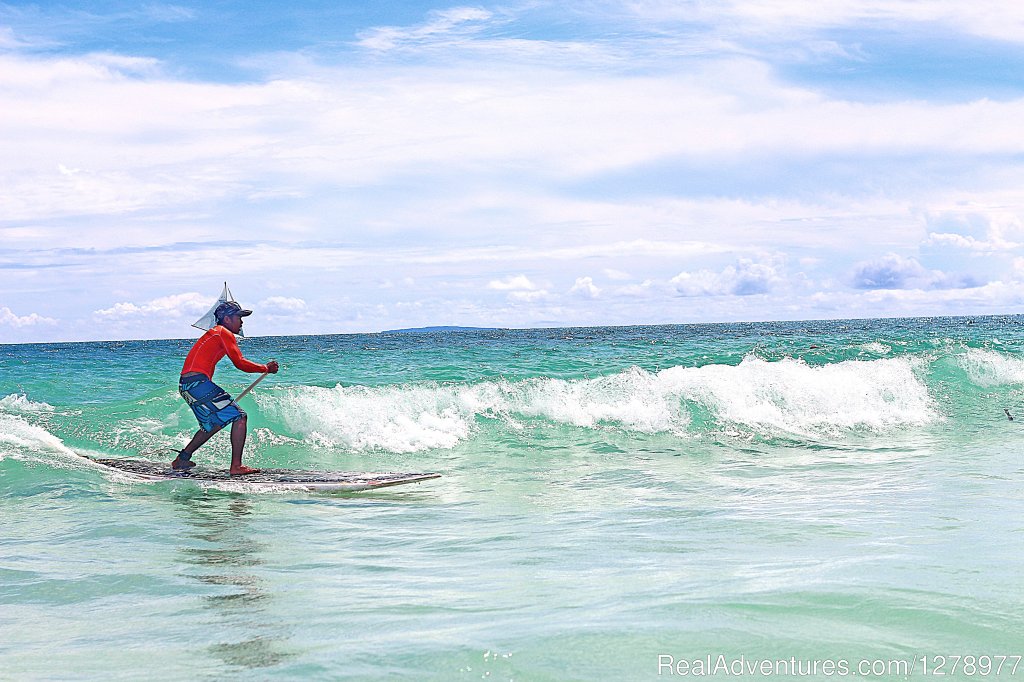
(989, 368)
(787, 397)
(19, 439)
(398, 418)
(635, 399)
(24, 439)
(18, 403)
(792, 397)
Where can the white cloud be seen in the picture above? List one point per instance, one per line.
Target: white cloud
(987, 18)
(616, 275)
(444, 26)
(176, 305)
(118, 65)
(893, 271)
(743, 279)
(10, 319)
(528, 296)
(166, 12)
(643, 290)
(991, 298)
(520, 289)
(151, 142)
(282, 305)
(512, 283)
(977, 227)
(584, 287)
(966, 242)
(9, 40)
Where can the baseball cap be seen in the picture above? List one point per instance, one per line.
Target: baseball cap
(229, 308)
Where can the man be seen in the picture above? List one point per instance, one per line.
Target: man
(211, 404)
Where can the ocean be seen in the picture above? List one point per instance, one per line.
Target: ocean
(788, 500)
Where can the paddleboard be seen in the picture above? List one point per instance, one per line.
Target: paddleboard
(271, 478)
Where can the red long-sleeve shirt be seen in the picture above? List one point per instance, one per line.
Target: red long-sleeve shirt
(211, 348)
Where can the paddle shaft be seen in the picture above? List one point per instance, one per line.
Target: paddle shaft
(251, 386)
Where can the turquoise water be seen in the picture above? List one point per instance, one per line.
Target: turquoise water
(814, 491)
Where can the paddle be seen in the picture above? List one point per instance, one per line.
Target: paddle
(251, 386)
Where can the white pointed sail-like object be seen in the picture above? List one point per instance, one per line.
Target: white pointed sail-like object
(209, 321)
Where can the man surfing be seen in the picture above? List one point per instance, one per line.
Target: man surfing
(212, 406)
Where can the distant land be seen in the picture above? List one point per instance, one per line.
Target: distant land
(427, 330)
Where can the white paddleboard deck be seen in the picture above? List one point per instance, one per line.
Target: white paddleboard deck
(272, 478)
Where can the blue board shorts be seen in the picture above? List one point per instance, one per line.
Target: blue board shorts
(210, 403)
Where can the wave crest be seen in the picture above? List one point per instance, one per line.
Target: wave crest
(18, 438)
(989, 368)
(18, 403)
(787, 397)
(792, 397)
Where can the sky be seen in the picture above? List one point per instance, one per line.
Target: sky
(354, 167)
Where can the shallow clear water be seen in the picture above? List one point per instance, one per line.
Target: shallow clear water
(839, 490)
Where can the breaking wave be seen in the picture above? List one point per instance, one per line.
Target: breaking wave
(989, 368)
(783, 398)
(20, 437)
(18, 403)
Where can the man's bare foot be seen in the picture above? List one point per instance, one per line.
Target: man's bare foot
(242, 471)
(182, 464)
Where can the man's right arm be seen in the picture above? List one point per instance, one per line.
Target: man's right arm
(235, 353)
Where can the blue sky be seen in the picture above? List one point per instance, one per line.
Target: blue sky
(351, 167)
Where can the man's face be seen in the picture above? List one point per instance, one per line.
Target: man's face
(233, 323)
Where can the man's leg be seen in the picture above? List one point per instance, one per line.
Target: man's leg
(238, 433)
(184, 458)
(198, 440)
